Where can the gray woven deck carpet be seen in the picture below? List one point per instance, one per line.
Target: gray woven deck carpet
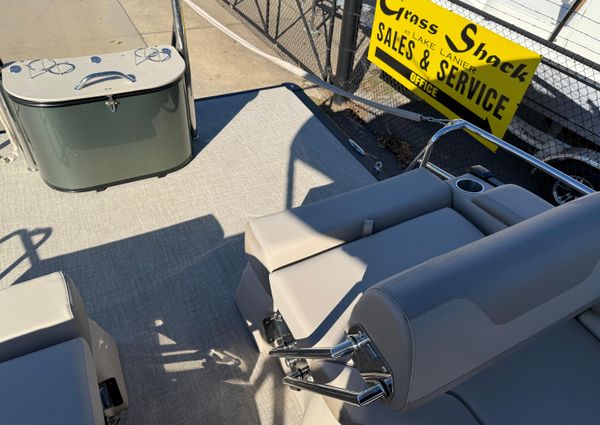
(158, 261)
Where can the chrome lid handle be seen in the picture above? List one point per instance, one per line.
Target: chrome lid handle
(116, 74)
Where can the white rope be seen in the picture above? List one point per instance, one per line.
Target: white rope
(409, 115)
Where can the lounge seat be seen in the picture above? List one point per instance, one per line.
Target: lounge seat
(53, 358)
(339, 247)
(446, 283)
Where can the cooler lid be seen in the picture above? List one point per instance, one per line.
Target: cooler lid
(72, 79)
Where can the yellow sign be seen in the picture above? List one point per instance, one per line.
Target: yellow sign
(460, 68)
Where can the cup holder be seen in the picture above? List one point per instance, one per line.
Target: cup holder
(469, 185)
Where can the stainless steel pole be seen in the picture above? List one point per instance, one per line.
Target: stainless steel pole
(348, 346)
(179, 41)
(14, 130)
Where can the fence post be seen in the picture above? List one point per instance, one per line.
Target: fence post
(349, 31)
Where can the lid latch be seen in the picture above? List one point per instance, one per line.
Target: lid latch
(111, 104)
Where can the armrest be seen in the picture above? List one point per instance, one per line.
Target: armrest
(39, 313)
(497, 207)
(283, 238)
(108, 365)
(511, 204)
(445, 320)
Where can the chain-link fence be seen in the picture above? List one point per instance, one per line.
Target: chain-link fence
(558, 120)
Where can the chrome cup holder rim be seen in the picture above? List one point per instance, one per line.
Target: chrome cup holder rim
(62, 68)
(145, 52)
(162, 56)
(152, 54)
(33, 64)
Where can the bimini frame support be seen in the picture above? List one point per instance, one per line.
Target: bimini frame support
(422, 160)
(179, 41)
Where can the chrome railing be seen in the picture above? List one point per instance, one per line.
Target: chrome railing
(179, 41)
(422, 160)
(13, 128)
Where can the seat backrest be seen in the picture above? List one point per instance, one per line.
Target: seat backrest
(448, 318)
(283, 238)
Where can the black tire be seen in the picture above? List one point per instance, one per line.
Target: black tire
(555, 193)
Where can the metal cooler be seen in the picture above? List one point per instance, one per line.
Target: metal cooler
(95, 121)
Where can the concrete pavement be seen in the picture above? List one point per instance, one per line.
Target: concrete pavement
(32, 29)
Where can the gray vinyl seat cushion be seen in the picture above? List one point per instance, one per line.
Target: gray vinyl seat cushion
(553, 380)
(47, 311)
(53, 386)
(316, 296)
(43, 312)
